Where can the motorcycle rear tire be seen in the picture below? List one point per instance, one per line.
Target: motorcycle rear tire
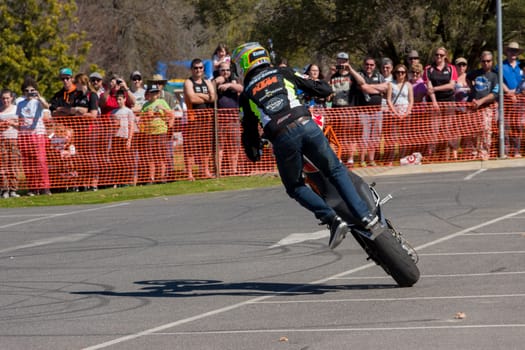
(394, 259)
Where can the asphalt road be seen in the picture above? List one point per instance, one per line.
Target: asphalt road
(250, 270)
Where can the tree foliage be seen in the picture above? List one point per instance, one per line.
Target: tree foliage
(306, 30)
(37, 38)
(134, 35)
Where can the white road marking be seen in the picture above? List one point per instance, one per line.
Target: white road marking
(22, 215)
(470, 229)
(262, 298)
(494, 233)
(51, 216)
(469, 177)
(352, 329)
(460, 275)
(295, 238)
(475, 253)
(448, 297)
(75, 237)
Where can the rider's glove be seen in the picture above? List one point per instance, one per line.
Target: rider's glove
(253, 154)
(252, 148)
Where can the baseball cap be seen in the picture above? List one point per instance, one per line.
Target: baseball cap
(342, 55)
(95, 75)
(153, 88)
(413, 54)
(135, 74)
(65, 71)
(460, 60)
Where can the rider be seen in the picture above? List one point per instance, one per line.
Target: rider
(270, 98)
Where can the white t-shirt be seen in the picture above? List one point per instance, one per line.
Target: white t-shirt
(9, 114)
(124, 115)
(31, 113)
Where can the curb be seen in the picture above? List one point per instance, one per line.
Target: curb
(440, 167)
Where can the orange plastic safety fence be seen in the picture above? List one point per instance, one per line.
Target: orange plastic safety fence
(79, 152)
(455, 131)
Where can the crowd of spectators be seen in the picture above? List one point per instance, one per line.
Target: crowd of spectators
(121, 131)
(440, 96)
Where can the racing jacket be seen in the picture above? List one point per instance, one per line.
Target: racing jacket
(270, 99)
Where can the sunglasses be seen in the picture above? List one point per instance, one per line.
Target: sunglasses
(486, 61)
(224, 70)
(94, 80)
(65, 78)
(197, 67)
(400, 72)
(413, 58)
(461, 64)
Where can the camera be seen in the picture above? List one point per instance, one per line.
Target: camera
(339, 67)
(33, 94)
(119, 81)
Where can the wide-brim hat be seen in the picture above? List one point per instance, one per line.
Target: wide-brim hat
(157, 79)
(513, 45)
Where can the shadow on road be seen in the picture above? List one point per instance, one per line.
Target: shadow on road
(200, 288)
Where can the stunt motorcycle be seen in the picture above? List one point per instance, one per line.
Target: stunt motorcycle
(389, 249)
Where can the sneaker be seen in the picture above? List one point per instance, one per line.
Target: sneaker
(369, 221)
(31, 193)
(13, 194)
(338, 230)
(363, 164)
(373, 225)
(5, 194)
(372, 163)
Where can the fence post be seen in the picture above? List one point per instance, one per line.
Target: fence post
(216, 139)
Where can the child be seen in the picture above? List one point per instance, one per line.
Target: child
(121, 150)
(62, 156)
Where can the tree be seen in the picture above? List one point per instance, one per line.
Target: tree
(306, 30)
(135, 34)
(37, 38)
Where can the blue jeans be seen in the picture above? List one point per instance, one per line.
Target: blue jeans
(308, 139)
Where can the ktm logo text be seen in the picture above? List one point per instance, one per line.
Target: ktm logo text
(264, 84)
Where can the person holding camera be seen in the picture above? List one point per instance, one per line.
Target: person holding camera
(108, 100)
(107, 103)
(32, 112)
(344, 83)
